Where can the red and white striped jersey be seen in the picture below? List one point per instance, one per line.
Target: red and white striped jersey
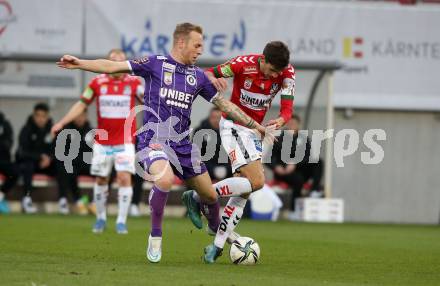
(252, 91)
(115, 97)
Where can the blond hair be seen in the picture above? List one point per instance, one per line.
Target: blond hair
(184, 29)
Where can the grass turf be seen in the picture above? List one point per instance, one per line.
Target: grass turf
(58, 250)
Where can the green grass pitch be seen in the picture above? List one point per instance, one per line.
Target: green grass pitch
(56, 250)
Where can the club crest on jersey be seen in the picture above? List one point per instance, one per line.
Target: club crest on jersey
(248, 83)
(191, 80)
(274, 88)
(103, 89)
(168, 78)
(262, 85)
(127, 90)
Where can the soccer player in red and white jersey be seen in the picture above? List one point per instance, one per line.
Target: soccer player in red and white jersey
(257, 79)
(115, 96)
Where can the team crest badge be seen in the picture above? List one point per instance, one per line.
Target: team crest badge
(262, 85)
(191, 80)
(103, 89)
(248, 83)
(168, 78)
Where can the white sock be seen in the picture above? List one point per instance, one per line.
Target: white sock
(232, 237)
(100, 194)
(229, 219)
(2, 196)
(233, 187)
(230, 187)
(124, 201)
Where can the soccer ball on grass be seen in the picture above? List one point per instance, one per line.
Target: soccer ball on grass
(244, 251)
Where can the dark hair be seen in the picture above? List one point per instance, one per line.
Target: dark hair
(277, 54)
(183, 30)
(296, 117)
(41, 106)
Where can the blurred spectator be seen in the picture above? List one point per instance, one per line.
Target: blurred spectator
(217, 171)
(7, 168)
(35, 151)
(295, 175)
(69, 181)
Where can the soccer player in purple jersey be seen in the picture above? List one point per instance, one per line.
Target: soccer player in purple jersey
(172, 83)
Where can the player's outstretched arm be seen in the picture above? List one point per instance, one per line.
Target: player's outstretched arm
(234, 112)
(97, 66)
(73, 113)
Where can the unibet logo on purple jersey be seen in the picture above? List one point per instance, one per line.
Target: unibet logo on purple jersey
(170, 90)
(175, 97)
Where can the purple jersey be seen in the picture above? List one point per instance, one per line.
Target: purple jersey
(170, 90)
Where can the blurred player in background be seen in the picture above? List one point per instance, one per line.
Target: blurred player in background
(115, 96)
(258, 78)
(172, 84)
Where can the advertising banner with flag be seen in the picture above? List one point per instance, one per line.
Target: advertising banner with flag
(391, 53)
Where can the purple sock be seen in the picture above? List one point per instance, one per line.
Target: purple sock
(158, 200)
(211, 212)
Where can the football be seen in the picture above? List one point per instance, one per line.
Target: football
(244, 251)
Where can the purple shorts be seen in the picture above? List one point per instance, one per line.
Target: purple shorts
(185, 159)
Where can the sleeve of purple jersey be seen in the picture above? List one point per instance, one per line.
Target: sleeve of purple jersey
(141, 67)
(207, 89)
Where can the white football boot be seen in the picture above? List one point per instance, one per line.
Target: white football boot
(154, 250)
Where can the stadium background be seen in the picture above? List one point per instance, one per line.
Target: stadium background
(390, 52)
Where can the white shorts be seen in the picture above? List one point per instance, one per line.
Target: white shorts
(105, 156)
(242, 144)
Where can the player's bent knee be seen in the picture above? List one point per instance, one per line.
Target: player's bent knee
(165, 182)
(123, 179)
(257, 183)
(209, 198)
